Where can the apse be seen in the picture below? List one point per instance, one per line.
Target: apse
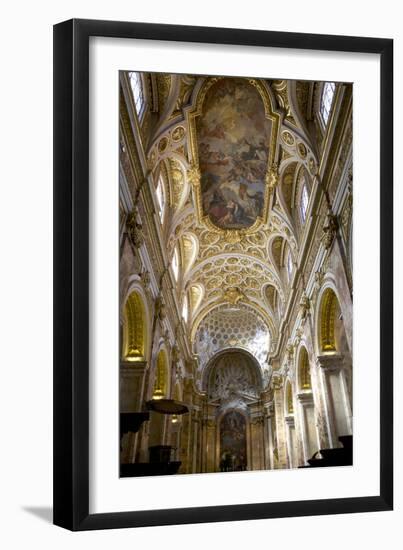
(233, 375)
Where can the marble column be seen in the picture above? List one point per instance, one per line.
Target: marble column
(291, 437)
(268, 437)
(336, 396)
(280, 443)
(307, 425)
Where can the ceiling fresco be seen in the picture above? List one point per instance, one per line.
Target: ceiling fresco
(233, 135)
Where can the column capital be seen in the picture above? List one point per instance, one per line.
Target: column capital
(134, 367)
(290, 421)
(331, 361)
(305, 398)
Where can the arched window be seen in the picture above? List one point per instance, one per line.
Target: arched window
(160, 198)
(304, 202)
(137, 90)
(327, 100)
(175, 264)
(289, 265)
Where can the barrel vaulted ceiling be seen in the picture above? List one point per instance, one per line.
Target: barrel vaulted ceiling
(232, 152)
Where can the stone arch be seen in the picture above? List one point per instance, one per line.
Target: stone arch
(304, 381)
(252, 364)
(161, 378)
(287, 184)
(280, 249)
(331, 334)
(178, 185)
(273, 299)
(189, 245)
(302, 180)
(335, 361)
(196, 295)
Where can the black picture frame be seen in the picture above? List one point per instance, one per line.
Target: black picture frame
(71, 274)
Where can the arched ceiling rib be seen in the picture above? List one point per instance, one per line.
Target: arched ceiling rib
(230, 276)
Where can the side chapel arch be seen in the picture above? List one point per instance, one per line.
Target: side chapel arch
(134, 328)
(161, 379)
(304, 370)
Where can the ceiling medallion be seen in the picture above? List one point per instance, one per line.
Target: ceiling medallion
(288, 138)
(302, 150)
(178, 133)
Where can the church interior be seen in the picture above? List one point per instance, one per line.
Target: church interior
(236, 285)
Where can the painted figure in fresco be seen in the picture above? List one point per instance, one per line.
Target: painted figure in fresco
(233, 134)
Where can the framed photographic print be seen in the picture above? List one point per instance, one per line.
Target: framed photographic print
(223, 322)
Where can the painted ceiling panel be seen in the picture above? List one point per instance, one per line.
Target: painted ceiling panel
(233, 134)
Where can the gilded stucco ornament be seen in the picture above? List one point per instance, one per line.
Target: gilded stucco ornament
(233, 236)
(280, 88)
(233, 295)
(302, 150)
(272, 178)
(193, 175)
(178, 133)
(288, 138)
